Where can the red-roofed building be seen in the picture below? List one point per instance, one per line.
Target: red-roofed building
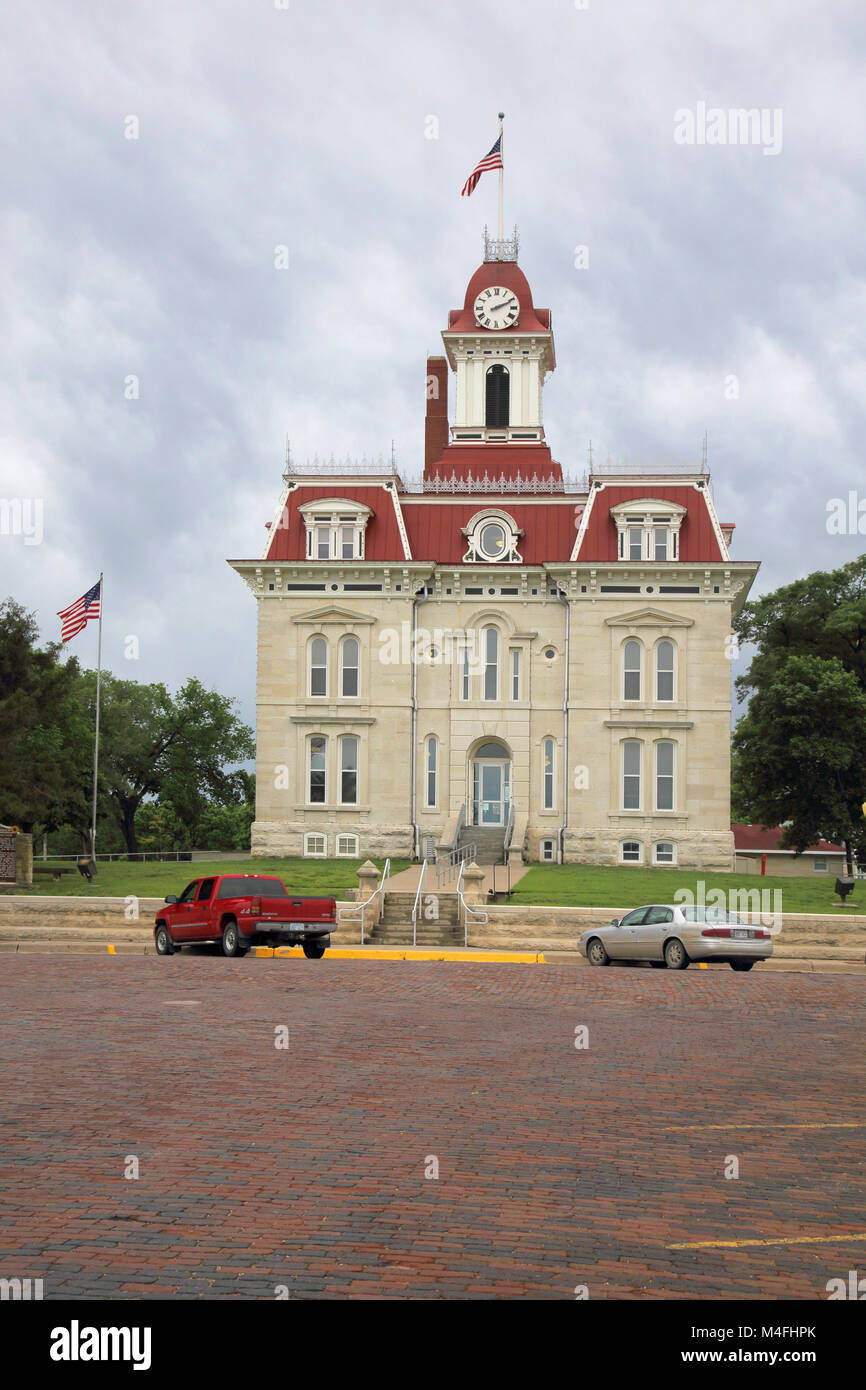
(498, 657)
(752, 843)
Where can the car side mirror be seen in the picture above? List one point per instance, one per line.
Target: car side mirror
(614, 922)
(171, 898)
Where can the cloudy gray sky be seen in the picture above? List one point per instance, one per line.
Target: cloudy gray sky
(306, 125)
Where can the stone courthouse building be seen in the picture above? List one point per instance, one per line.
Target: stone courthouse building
(495, 655)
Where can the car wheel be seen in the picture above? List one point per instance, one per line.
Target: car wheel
(231, 939)
(164, 944)
(313, 950)
(742, 964)
(596, 954)
(675, 954)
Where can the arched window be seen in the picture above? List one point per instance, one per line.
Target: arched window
(491, 663)
(548, 749)
(318, 764)
(498, 384)
(631, 670)
(631, 751)
(665, 671)
(349, 770)
(432, 769)
(664, 776)
(318, 666)
(350, 656)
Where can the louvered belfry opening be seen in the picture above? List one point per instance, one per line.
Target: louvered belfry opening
(496, 416)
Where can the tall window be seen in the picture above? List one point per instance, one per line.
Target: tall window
(548, 749)
(491, 663)
(631, 775)
(350, 653)
(631, 663)
(665, 671)
(318, 666)
(496, 415)
(464, 675)
(664, 776)
(318, 754)
(432, 769)
(349, 770)
(635, 543)
(660, 542)
(515, 673)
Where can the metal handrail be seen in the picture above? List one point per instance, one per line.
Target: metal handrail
(361, 908)
(509, 830)
(445, 867)
(481, 918)
(415, 904)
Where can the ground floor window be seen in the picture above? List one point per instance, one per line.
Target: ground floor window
(548, 851)
(665, 852)
(347, 847)
(631, 852)
(819, 865)
(315, 846)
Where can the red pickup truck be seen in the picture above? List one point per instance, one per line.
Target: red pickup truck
(244, 910)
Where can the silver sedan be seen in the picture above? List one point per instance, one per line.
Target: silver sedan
(671, 935)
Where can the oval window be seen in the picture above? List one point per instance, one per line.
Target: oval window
(491, 540)
(550, 653)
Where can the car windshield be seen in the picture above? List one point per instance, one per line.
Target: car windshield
(712, 914)
(252, 887)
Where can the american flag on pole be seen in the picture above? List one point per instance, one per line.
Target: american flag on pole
(79, 613)
(492, 160)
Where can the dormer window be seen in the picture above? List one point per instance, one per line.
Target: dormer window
(335, 528)
(492, 537)
(648, 529)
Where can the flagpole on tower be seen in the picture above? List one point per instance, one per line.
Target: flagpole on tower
(96, 732)
(501, 177)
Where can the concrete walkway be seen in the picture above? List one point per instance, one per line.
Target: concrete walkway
(406, 881)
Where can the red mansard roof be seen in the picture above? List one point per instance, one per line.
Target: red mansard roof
(549, 523)
(697, 543)
(492, 460)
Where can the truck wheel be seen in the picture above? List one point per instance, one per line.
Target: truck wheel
(164, 946)
(314, 950)
(231, 939)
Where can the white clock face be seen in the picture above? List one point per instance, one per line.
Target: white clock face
(496, 308)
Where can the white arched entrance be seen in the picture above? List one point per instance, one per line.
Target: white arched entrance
(491, 783)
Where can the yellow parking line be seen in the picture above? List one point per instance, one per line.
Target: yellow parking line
(782, 1240)
(830, 1124)
(410, 954)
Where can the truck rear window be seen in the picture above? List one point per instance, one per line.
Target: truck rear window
(251, 887)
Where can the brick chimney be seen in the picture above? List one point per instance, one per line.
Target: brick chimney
(436, 421)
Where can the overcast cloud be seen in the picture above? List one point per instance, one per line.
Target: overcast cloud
(306, 126)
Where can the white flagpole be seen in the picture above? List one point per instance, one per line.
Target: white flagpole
(96, 737)
(501, 173)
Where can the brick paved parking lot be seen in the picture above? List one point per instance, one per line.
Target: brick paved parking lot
(305, 1167)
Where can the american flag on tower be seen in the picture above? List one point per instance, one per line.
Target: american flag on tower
(79, 613)
(492, 160)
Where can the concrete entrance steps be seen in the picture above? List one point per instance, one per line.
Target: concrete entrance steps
(490, 840)
(395, 928)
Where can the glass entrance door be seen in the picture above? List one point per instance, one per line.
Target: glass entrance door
(490, 793)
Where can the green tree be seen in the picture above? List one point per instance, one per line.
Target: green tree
(799, 753)
(177, 748)
(46, 746)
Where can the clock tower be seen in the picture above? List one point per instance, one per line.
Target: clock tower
(500, 349)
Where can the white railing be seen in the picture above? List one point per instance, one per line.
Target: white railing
(417, 902)
(479, 918)
(361, 908)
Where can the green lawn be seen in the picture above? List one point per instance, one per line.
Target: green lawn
(589, 885)
(153, 879)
